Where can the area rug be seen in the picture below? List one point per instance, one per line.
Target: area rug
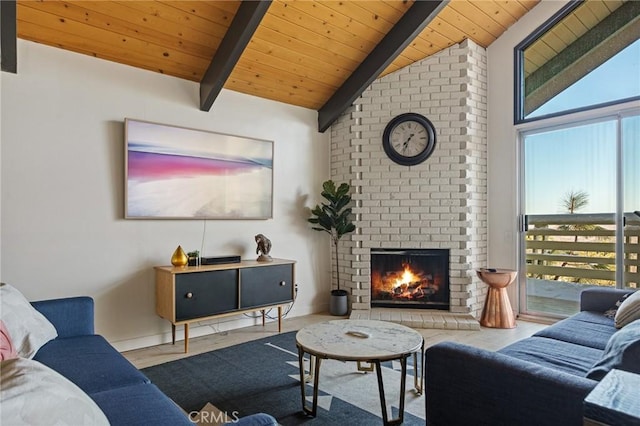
(263, 376)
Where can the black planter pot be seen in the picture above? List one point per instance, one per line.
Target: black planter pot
(338, 305)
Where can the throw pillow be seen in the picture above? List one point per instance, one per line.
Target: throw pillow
(622, 353)
(611, 312)
(7, 351)
(29, 329)
(628, 311)
(34, 394)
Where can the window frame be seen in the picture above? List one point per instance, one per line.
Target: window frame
(518, 110)
(599, 113)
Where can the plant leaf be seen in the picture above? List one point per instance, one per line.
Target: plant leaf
(333, 217)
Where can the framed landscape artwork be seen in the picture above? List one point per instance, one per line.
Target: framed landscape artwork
(180, 173)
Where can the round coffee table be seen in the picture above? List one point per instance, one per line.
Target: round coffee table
(363, 341)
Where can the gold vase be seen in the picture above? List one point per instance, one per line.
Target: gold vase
(179, 257)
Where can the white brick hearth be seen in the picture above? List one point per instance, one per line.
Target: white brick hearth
(419, 318)
(440, 203)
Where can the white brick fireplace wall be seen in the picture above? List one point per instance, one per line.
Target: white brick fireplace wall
(440, 203)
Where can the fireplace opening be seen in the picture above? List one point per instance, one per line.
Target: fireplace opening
(412, 278)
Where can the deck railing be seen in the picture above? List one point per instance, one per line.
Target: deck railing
(580, 248)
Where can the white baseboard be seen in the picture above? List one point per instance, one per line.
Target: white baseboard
(213, 326)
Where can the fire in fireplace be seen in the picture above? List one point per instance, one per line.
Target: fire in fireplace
(412, 278)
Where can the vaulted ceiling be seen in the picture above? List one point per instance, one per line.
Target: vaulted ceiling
(309, 53)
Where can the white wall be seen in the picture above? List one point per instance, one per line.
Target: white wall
(63, 232)
(502, 139)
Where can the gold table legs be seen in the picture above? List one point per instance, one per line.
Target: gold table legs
(314, 374)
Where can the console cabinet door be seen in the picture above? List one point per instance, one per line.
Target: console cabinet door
(266, 285)
(202, 294)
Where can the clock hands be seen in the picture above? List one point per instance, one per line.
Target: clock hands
(405, 145)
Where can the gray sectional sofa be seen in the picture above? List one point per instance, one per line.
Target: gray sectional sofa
(541, 380)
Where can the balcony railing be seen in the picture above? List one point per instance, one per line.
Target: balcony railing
(580, 248)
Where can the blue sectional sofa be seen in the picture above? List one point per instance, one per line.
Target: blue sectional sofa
(541, 380)
(123, 393)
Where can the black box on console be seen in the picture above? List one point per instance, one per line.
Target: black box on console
(218, 260)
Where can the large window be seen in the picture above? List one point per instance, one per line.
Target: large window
(578, 115)
(581, 191)
(586, 56)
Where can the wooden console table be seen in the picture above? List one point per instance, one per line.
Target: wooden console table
(196, 293)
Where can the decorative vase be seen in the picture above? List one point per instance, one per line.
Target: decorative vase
(179, 257)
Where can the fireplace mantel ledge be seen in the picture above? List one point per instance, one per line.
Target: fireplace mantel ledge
(420, 318)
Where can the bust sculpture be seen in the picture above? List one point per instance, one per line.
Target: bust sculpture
(263, 249)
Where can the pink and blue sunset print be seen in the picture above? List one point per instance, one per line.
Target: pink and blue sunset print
(183, 173)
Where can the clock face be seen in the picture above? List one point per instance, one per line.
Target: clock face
(409, 139)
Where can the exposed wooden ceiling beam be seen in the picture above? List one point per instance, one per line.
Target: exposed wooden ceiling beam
(406, 29)
(9, 60)
(244, 24)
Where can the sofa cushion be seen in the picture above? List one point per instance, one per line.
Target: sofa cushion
(555, 354)
(90, 362)
(34, 394)
(71, 316)
(584, 328)
(628, 311)
(29, 329)
(141, 404)
(622, 353)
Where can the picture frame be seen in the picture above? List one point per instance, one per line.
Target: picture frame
(174, 172)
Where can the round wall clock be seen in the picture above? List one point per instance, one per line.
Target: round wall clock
(409, 139)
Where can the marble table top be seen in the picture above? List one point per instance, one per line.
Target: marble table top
(359, 340)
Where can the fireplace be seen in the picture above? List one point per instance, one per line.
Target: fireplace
(412, 278)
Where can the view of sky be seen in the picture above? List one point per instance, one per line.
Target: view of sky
(618, 78)
(584, 158)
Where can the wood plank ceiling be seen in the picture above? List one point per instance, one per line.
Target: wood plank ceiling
(567, 31)
(300, 54)
(590, 34)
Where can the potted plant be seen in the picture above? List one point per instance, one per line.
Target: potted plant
(334, 218)
(193, 258)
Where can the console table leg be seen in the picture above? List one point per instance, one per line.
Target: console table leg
(279, 319)
(186, 337)
(263, 314)
(173, 334)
